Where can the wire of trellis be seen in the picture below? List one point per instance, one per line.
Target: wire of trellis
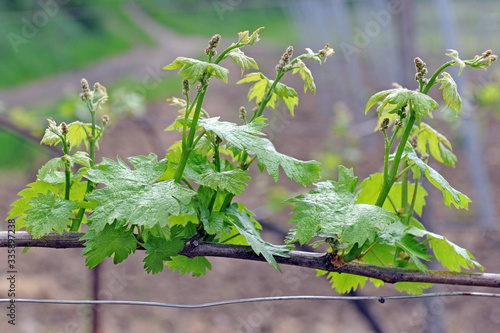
(381, 299)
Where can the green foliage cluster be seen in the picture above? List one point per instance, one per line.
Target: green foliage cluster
(160, 204)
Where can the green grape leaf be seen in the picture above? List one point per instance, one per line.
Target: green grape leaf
(415, 249)
(232, 181)
(397, 98)
(158, 250)
(182, 219)
(141, 205)
(450, 92)
(396, 234)
(306, 75)
(112, 241)
(245, 137)
(263, 84)
(345, 282)
(315, 56)
(378, 97)
(174, 157)
(384, 113)
(246, 226)
(448, 157)
(193, 69)
(50, 138)
(197, 266)
(380, 254)
(48, 213)
(450, 195)
(80, 157)
(196, 165)
(331, 207)
(233, 237)
(371, 187)
(77, 132)
(77, 193)
(413, 288)
(287, 95)
(78, 189)
(50, 171)
(244, 37)
(448, 253)
(204, 146)
(457, 61)
(133, 196)
(242, 60)
(438, 144)
(146, 170)
(215, 224)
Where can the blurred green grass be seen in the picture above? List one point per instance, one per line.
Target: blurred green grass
(18, 155)
(40, 42)
(206, 18)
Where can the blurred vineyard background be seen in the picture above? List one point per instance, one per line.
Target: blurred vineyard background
(47, 46)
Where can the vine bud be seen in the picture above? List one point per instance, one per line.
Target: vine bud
(100, 94)
(487, 53)
(64, 128)
(285, 58)
(484, 61)
(419, 64)
(210, 52)
(414, 141)
(243, 112)
(218, 140)
(85, 86)
(185, 87)
(53, 126)
(384, 125)
(214, 42)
